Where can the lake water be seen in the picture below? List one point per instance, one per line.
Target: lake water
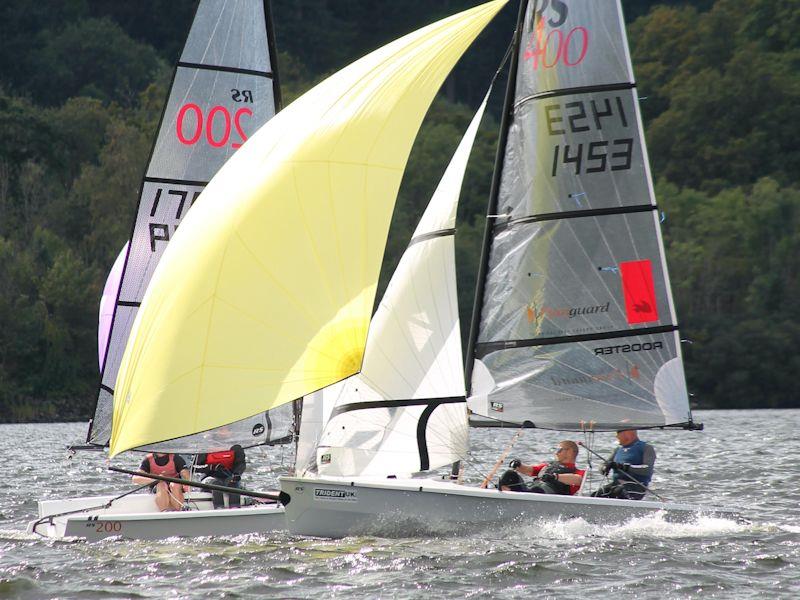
(744, 460)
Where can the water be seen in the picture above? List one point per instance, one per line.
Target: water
(744, 460)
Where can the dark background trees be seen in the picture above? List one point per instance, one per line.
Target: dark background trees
(82, 86)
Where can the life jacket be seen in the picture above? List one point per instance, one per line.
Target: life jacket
(557, 468)
(223, 459)
(633, 455)
(168, 470)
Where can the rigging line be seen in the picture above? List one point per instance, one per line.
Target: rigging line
(86, 509)
(500, 460)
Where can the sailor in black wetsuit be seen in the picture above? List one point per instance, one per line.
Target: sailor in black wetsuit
(632, 464)
(223, 468)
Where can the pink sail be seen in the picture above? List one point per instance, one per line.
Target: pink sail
(107, 304)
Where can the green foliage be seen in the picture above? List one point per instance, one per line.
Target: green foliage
(735, 265)
(734, 67)
(83, 85)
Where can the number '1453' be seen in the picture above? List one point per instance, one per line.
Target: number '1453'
(602, 156)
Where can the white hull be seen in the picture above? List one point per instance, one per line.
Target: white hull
(137, 517)
(339, 507)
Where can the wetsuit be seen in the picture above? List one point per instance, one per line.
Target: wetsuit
(637, 461)
(554, 487)
(224, 468)
(514, 482)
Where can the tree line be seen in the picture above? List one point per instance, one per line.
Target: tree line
(84, 82)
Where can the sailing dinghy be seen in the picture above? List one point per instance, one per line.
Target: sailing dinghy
(225, 331)
(224, 88)
(574, 327)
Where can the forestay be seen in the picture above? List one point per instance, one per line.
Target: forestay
(405, 411)
(224, 88)
(265, 293)
(577, 324)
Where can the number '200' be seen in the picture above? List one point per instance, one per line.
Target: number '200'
(214, 115)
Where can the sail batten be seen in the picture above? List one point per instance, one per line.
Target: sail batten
(575, 322)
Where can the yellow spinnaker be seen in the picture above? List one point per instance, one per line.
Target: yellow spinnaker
(265, 292)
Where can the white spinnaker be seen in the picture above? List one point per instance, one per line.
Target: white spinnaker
(405, 411)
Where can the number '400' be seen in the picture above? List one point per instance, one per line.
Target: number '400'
(216, 114)
(599, 157)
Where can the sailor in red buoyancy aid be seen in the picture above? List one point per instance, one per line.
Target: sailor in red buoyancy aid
(169, 496)
(560, 476)
(223, 468)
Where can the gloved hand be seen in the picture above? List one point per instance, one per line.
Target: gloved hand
(548, 477)
(515, 463)
(610, 465)
(234, 479)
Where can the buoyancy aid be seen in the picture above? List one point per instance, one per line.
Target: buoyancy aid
(223, 459)
(632, 454)
(167, 470)
(557, 468)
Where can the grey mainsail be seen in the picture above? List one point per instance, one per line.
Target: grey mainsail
(224, 88)
(576, 326)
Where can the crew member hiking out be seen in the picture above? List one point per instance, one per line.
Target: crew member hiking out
(632, 465)
(560, 476)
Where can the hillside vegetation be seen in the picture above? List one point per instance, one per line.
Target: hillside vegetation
(84, 81)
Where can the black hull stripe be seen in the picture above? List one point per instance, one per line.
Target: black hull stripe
(175, 181)
(106, 388)
(188, 65)
(128, 303)
(432, 235)
(485, 348)
(589, 89)
(576, 214)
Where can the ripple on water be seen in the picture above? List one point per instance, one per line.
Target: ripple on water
(709, 557)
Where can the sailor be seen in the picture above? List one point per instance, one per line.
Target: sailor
(632, 465)
(223, 468)
(560, 476)
(169, 496)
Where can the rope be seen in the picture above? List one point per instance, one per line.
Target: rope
(87, 509)
(500, 460)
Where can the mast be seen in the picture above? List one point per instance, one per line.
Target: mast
(273, 57)
(494, 192)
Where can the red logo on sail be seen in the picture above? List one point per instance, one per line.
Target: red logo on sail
(640, 293)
